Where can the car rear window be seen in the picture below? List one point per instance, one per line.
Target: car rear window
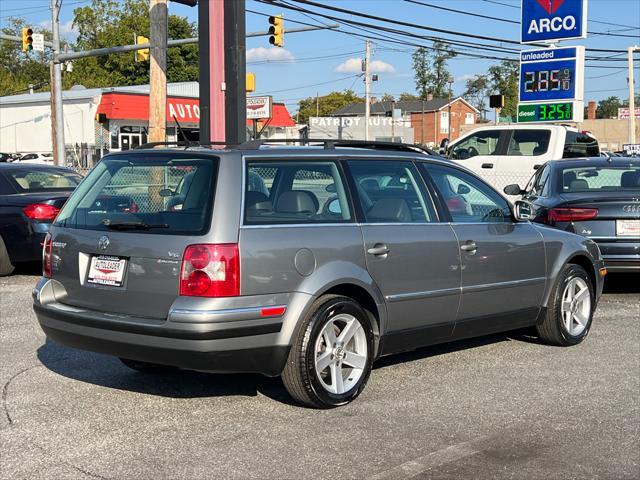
(159, 194)
(26, 180)
(585, 179)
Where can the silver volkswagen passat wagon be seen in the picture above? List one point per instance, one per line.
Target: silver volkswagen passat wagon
(309, 263)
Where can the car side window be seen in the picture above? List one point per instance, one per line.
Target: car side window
(580, 145)
(294, 193)
(540, 188)
(467, 198)
(390, 192)
(529, 142)
(482, 143)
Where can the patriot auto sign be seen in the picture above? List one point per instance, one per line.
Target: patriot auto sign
(553, 20)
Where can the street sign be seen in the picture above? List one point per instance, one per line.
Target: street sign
(38, 42)
(551, 112)
(259, 107)
(623, 113)
(553, 20)
(632, 148)
(552, 74)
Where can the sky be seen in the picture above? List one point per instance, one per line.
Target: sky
(320, 62)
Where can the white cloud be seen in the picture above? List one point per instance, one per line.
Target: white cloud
(262, 54)
(66, 28)
(354, 65)
(465, 77)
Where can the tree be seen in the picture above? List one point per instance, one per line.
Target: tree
(406, 96)
(18, 69)
(325, 105)
(109, 23)
(477, 92)
(430, 70)
(608, 108)
(503, 79)
(387, 97)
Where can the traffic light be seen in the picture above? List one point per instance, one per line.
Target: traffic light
(142, 55)
(27, 39)
(250, 82)
(276, 30)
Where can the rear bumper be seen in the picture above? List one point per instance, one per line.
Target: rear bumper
(223, 341)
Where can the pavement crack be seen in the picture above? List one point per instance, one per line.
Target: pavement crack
(5, 390)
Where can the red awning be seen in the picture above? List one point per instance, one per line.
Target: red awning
(127, 106)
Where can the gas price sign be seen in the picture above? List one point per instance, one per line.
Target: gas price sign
(550, 112)
(552, 74)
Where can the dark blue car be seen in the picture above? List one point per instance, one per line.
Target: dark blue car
(595, 197)
(31, 196)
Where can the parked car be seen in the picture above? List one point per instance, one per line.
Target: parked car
(37, 158)
(6, 158)
(308, 263)
(595, 197)
(507, 154)
(30, 197)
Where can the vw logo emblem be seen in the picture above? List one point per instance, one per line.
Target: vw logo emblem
(103, 242)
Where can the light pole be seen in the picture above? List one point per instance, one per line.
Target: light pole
(450, 81)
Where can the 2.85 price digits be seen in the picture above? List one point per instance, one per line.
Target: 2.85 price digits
(547, 81)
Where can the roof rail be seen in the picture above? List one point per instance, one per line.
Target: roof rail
(331, 143)
(180, 143)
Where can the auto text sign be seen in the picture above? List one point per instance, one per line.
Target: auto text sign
(553, 20)
(259, 107)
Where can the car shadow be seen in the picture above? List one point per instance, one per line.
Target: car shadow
(109, 372)
(622, 283)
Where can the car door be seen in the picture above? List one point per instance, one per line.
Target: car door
(480, 152)
(410, 254)
(502, 261)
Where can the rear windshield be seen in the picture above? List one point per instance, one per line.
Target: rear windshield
(589, 179)
(162, 194)
(43, 180)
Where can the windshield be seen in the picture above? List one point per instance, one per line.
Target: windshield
(595, 179)
(164, 193)
(43, 180)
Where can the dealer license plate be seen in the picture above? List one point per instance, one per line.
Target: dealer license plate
(628, 228)
(107, 270)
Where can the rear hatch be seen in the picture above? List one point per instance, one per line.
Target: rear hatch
(117, 244)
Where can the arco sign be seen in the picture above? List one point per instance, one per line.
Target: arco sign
(553, 20)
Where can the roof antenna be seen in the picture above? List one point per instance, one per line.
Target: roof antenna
(187, 143)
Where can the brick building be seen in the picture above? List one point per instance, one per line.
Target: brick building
(428, 118)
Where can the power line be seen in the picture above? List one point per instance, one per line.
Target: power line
(312, 85)
(498, 19)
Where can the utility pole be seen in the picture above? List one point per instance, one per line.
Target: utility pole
(632, 98)
(158, 18)
(57, 119)
(422, 125)
(451, 80)
(367, 88)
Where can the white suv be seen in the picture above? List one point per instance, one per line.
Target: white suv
(507, 154)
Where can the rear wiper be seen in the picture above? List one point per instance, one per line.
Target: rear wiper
(132, 225)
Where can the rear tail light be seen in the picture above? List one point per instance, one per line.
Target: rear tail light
(46, 257)
(41, 211)
(556, 215)
(210, 270)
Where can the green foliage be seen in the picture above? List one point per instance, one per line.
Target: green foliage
(325, 105)
(503, 79)
(19, 69)
(387, 97)
(608, 108)
(477, 92)
(406, 96)
(430, 70)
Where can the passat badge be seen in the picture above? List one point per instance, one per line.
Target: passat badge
(103, 242)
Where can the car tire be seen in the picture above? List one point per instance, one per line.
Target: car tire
(330, 359)
(146, 367)
(6, 267)
(571, 306)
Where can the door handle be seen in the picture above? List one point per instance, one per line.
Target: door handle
(469, 246)
(487, 165)
(379, 250)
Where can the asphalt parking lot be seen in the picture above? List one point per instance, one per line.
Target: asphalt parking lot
(497, 407)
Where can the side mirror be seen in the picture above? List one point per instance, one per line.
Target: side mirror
(522, 211)
(513, 189)
(463, 189)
